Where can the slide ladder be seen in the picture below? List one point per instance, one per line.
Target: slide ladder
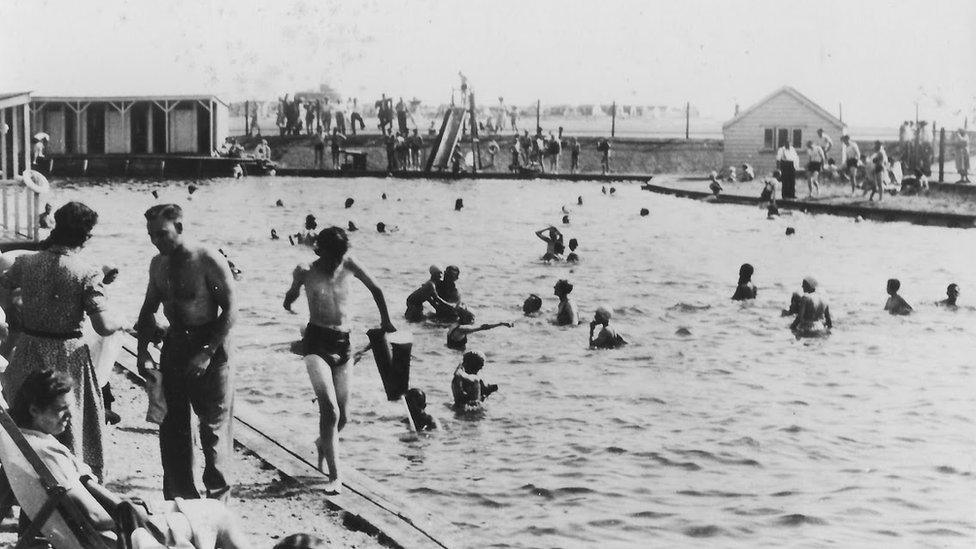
(447, 140)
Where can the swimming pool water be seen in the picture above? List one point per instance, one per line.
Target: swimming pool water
(734, 435)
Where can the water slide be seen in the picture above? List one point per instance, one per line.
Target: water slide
(447, 139)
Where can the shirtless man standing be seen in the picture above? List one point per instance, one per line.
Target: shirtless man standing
(195, 286)
(813, 317)
(326, 341)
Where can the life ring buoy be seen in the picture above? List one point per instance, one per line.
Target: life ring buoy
(35, 181)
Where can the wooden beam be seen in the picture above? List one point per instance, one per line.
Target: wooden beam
(15, 130)
(28, 153)
(210, 131)
(3, 146)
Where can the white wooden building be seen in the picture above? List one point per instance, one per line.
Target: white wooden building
(173, 124)
(753, 135)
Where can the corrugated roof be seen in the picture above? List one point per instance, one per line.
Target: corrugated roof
(796, 95)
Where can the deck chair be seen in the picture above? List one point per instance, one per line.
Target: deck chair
(40, 496)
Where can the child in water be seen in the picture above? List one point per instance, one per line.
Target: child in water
(896, 304)
(572, 257)
(531, 305)
(457, 336)
(608, 338)
(417, 404)
(745, 289)
(468, 389)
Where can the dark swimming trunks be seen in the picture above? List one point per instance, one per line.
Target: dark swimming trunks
(814, 166)
(851, 162)
(324, 342)
(766, 195)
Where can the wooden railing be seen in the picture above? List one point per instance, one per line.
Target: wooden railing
(20, 209)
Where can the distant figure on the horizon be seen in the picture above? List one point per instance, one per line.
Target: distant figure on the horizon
(416, 145)
(850, 159)
(318, 143)
(896, 304)
(714, 184)
(813, 317)
(788, 161)
(492, 151)
(745, 289)
(748, 173)
(574, 156)
(877, 172)
(340, 117)
(826, 143)
(607, 338)
(309, 118)
(325, 344)
(604, 147)
(354, 116)
(952, 294)
(566, 314)
(335, 145)
(817, 157)
(960, 142)
(401, 114)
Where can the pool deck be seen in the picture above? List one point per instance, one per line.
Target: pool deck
(689, 189)
(522, 176)
(366, 505)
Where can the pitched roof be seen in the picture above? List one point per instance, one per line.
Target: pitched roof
(804, 100)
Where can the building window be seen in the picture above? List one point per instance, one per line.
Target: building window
(773, 138)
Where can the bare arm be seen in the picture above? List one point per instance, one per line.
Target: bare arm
(800, 314)
(220, 284)
(106, 323)
(147, 323)
(827, 321)
(541, 236)
(297, 281)
(485, 327)
(378, 297)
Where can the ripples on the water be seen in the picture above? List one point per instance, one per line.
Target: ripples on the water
(714, 423)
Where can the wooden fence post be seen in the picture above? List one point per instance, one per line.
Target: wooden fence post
(941, 155)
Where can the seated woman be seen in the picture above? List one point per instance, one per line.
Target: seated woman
(457, 336)
(42, 410)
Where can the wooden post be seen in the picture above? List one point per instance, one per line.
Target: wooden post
(15, 130)
(28, 153)
(28, 208)
(166, 126)
(687, 119)
(941, 155)
(840, 111)
(17, 210)
(3, 146)
(5, 191)
(247, 116)
(538, 107)
(36, 220)
(475, 144)
(613, 120)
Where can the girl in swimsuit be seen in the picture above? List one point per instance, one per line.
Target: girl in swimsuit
(457, 336)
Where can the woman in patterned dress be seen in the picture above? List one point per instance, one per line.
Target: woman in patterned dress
(58, 287)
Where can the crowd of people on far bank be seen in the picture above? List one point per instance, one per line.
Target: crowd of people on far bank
(875, 173)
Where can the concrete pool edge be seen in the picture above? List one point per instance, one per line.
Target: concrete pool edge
(365, 504)
(943, 219)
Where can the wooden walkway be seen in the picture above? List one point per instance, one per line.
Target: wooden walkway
(524, 176)
(950, 220)
(367, 506)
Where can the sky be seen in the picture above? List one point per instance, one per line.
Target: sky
(876, 57)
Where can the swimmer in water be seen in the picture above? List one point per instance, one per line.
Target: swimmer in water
(572, 257)
(813, 317)
(467, 388)
(896, 304)
(274, 235)
(745, 289)
(352, 227)
(554, 243)
(423, 294)
(326, 340)
(457, 336)
(531, 305)
(448, 296)
(417, 404)
(566, 314)
(579, 200)
(608, 338)
(952, 294)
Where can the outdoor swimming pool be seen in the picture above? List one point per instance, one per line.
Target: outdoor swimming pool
(737, 433)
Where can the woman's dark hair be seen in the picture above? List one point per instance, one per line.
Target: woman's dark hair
(331, 244)
(301, 541)
(745, 273)
(73, 224)
(532, 304)
(40, 389)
